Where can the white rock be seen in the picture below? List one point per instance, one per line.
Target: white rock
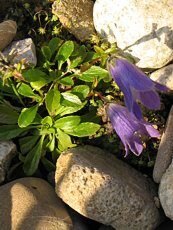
(142, 28)
(7, 152)
(164, 76)
(22, 49)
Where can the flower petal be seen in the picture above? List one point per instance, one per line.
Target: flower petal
(150, 99)
(132, 76)
(128, 98)
(129, 128)
(135, 85)
(136, 146)
(151, 131)
(136, 110)
(161, 87)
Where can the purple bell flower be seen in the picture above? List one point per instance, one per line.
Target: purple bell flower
(129, 128)
(135, 85)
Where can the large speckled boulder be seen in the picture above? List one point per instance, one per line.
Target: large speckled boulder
(103, 188)
(76, 16)
(8, 31)
(166, 192)
(165, 151)
(164, 76)
(31, 203)
(7, 152)
(142, 28)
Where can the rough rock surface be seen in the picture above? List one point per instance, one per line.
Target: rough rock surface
(166, 192)
(76, 16)
(102, 188)
(165, 151)
(8, 31)
(164, 76)
(31, 203)
(22, 49)
(142, 28)
(7, 152)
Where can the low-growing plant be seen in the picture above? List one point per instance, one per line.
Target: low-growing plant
(51, 106)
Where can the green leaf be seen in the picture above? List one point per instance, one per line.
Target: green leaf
(26, 90)
(46, 51)
(64, 53)
(85, 129)
(27, 116)
(64, 110)
(80, 54)
(37, 78)
(67, 123)
(71, 98)
(27, 143)
(91, 56)
(99, 50)
(81, 91)
(64, 140)
(8, 132)
(91, 116)
(95, 72)
(48, 164)
(33, 157)
(37, 120)
(67, 81)
(53, 101)
(51, 143)
(47, 121)
(7, 114)
(54, 44)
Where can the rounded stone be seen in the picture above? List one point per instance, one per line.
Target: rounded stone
(7, 152)
(76, 16)
(105, 189)
(166, 192)
(8, 31)
(165, 153)
(31, 203)
(144, 29)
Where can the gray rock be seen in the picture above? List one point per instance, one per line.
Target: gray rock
(7, 152)
(23, 49)
(165, 151)
(8, 31)
(76, 16)
(164, 76)
(105, 189)
(166, 192)
(31, 203)
(142, 28)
